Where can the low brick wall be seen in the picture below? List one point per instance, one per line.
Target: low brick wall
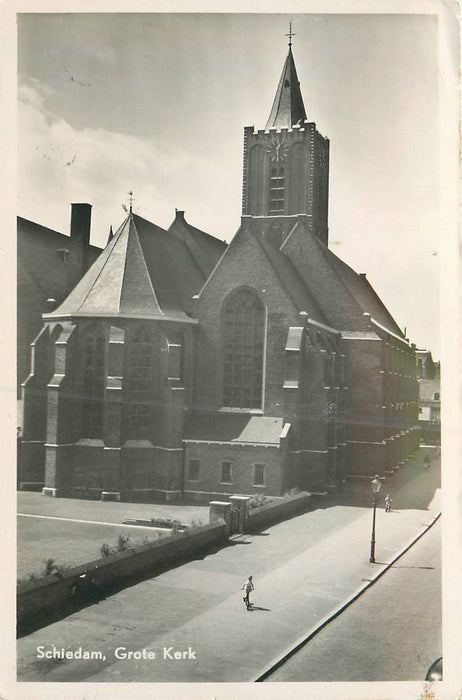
(285, 507)
(39, 602)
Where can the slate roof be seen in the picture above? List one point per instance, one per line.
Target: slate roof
(233, 427)
(361, 290)
(292, 281)
(143, 272)
(288, 108)
(205, 249)
(37, 238)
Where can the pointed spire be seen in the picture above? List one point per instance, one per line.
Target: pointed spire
(288, 108)
(111, 235)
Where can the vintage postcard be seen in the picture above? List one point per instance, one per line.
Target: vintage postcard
(235, 408)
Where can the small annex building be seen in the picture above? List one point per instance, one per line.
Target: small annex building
(182, 367)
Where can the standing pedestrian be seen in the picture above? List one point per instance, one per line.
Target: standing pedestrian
(247, 588)
(426, 461)
(387, 503)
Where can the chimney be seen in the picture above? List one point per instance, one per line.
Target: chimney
(179, 214)
(80, 242)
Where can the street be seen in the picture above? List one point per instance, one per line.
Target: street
(304, 569)
(392, 631)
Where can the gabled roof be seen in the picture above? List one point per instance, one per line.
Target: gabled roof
(288, 108)
(143, 272)
(361, 290)
(292, 281)
(285, 271)
(205, 249)
(37, 238)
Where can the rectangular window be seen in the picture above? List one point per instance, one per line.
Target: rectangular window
(226, 473)
(193, 472)
(259, 475)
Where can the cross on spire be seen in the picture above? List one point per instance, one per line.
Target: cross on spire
(290, 34)
(130, 199)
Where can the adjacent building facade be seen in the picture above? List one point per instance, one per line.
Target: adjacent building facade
(49, 265)
(429, 380)
(180, 367)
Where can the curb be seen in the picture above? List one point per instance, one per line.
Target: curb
(301, 641)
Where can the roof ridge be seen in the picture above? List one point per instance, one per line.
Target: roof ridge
(295, 272)
(364, 279)
(111, 245)
(325, 251)
(226, 250)
(143, 259)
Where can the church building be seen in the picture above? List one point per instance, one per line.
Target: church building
(182, 367)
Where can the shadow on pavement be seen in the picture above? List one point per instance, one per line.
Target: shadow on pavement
(412, 487)
(256, 607)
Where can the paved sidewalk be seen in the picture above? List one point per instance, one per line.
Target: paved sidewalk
(304, 568)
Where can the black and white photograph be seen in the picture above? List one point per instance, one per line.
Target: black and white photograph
(237, 352)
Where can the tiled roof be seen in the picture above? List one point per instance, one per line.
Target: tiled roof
(143, 272)
(361, 290)
(288, 108)
(233, 427)
(292, 281)
(205, 249)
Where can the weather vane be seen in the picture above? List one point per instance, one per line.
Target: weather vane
(290, 34)
(130, 199)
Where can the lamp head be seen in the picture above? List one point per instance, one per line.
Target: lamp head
(376, 484)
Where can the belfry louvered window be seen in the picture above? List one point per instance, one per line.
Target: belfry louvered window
(277, 191)
(138, 386)
(243, 331)
(93, 384)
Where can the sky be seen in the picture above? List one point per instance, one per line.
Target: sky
(156, 103)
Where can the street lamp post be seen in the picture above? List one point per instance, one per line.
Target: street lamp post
(376, 485)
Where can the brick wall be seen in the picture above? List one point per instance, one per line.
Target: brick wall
(39, 601)
(243, 459)
(246, 265)
(261, 517)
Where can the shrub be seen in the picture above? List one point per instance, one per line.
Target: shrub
(258, 500)
(167, 522)
(28, 579)
(51, 568)
(294, 491)
(106, 550)
(123, 543)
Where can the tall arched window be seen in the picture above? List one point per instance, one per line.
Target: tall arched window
(277, 191)
(138, 385)
(243, 334)
(93, 383)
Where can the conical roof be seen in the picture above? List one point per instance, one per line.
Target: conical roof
(288, 108)
(143, 273)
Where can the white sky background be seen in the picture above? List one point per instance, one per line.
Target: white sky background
(157, 103)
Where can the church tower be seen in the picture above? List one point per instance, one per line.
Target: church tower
(286, 165)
